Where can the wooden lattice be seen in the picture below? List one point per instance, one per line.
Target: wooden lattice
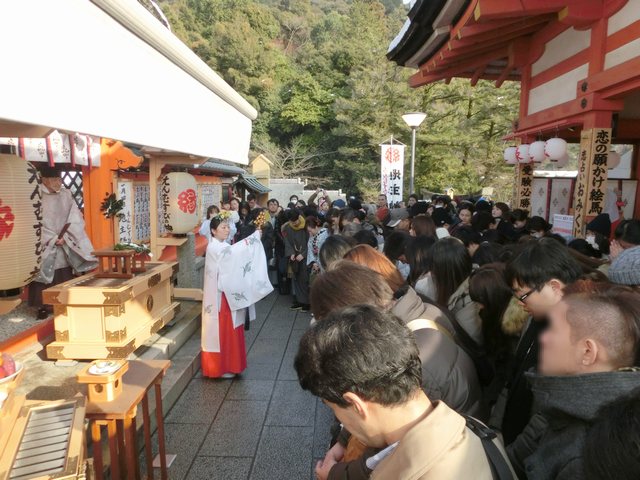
(72, 179)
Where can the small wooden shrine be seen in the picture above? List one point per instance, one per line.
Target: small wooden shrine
(97, 317)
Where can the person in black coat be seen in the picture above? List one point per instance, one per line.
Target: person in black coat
(537, 276)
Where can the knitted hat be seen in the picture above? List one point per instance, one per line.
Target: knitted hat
(440, 217)
(339, 203)
(601, 224)
(625, 270)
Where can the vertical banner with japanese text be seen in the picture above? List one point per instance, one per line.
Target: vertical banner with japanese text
(597, 182)
(580, 190)
(392, 171)
(125, 218)
(525, 182)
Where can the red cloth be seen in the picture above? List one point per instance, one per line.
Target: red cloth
(382, 213)
(232, 357)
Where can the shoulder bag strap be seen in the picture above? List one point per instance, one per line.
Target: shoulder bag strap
(500, 466)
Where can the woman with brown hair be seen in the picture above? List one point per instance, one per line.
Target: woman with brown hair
(448, 372)
(376, 261)
(423, 226)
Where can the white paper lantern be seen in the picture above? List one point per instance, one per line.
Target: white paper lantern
(510, 155)
(555, 148)
(20, 222)
(178, 191)
(536, 152)
(613, 160)
(522, 153)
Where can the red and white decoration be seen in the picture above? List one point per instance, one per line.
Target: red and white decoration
(555, 148)
(179, 201)
(20, 222)
(510, 155)
(392, 171)
(58, 148)
(522, 153)
(536, 152)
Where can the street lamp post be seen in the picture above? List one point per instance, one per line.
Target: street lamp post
(413, 120)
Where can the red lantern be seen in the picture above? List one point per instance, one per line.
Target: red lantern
(20, 222)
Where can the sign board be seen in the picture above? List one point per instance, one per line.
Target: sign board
(392, 172)
(524, 186)
(580, 191)
(124, 192)
(563, 225)
(597, 183)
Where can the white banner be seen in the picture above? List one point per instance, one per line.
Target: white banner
(392, 171)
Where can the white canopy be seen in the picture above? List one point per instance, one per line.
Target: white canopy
(108, 68)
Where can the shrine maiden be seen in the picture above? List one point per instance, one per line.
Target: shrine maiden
(235, 279)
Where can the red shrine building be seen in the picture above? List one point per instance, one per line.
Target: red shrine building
(578, 62)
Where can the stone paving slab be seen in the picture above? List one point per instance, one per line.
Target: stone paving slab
(261, 425)
(283, 453)
(236, 430)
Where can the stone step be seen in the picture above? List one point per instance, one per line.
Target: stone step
(165, 343)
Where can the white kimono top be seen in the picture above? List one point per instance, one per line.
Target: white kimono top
(240, 272)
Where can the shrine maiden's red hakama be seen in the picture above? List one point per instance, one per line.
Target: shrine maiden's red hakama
(232, 357)
(235, 278)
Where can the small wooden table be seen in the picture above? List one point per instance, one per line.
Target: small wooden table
(119, 416)
(118, 263)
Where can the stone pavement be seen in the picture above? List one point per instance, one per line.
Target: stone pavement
(261, 425)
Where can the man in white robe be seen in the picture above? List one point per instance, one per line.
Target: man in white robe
(66, 248)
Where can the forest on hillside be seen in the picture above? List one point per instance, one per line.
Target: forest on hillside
(327, 96)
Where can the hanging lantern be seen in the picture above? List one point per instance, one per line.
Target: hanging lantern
(555, 148)
(613, 160)
(522, 153)
(179, 201)
(536, 152)
(20, 222)
(510, 155)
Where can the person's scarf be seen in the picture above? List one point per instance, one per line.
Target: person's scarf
(298, 224)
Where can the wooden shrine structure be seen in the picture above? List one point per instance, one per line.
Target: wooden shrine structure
(578, 62)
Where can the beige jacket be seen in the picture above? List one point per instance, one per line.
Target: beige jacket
(466, 312)
(440, 447)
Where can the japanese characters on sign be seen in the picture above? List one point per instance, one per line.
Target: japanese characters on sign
(525, 182)
(391, 172)
(141, 214)
(580, 191)
(125, 220)
(597, 182)
(165, 192)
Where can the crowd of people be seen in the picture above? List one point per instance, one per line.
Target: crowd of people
(462, 341)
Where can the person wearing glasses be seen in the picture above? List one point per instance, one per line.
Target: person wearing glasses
(537, 276)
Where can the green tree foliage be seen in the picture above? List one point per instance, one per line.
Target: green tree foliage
(327, 96)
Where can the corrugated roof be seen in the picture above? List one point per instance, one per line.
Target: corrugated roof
(221, 166)
(252, 184)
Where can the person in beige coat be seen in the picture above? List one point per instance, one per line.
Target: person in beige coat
(364, 364)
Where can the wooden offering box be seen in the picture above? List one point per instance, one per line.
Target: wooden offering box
(106, 387)
(108, 318)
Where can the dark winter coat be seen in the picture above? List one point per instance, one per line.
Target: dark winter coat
(551, 445)
(519, 400)
(448, 373)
